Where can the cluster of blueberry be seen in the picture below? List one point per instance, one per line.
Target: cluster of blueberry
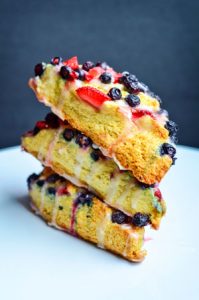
(83, 141)
(138, 219)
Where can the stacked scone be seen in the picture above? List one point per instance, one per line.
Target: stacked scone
(105, 147)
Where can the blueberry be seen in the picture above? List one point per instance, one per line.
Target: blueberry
(88, 65)
(172, 127)
(31, 179)
(68, 134)
(146, 186)
(168, 149)
(143, 87)
(132, 100)
(56, 60)
(127, 77)
(105, 77)
(51, 190)
(40, 182)
(60, 207)
(119, 217)
(65, 72)
(52, 120)
(84, 198)
(81, 74)
(53, 178)
(115, 94)
(102, 64)
(140, 219)
(39, 69)
(96, 154)
(82, 140)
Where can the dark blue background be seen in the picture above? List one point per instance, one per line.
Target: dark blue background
(156, 40)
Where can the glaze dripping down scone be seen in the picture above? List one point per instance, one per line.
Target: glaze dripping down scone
(78, 212)
(119, 113)
(74, 156)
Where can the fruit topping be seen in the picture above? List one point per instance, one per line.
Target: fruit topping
(105, 77)
(103, 65)
(158, 194)
(145, 186)
(65, 72)
(60, 207)
(51, 190)
(39, 69)
(140, 113)
(40, 182)
(115, 94)
(140, 219)
(96, 154)
(62, 190)
(31, 179)
(94, 73)
(52, 120)
(68, 134)
(88, 65)
(83, 141)
(119, 217)
(39, 126)
(72, 63)
(92, 96)
(172, 127)
(53, 178)
(168, 149)
(56, 60)
(81, 74)
(132, 100)
(84, 198)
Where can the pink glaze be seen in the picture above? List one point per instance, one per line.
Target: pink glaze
(140, 113)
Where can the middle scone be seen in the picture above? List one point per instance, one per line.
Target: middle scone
(73, 155)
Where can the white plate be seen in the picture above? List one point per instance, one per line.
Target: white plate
(38, 262)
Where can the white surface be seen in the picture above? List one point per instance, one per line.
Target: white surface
(38, 262)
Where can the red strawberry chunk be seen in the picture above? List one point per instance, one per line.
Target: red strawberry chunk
(158, 194)
(141, 112)
(94, 73)
(41, 125)
(72, 63)
(62, 190)
(92, 96)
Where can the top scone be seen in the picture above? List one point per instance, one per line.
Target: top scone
(119, 113)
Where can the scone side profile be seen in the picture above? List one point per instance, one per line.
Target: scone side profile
(78, 212)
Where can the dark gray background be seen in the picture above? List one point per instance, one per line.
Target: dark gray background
(156, 40)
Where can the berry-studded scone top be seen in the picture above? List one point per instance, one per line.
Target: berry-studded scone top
(103, 89)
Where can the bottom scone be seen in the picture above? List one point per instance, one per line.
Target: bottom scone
(80, 213)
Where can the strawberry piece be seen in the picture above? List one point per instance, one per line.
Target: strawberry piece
(92, 96)
(62, 190)
(72, 63)
(41, 125)
(158, 194)
(140, 113)
(94, 73)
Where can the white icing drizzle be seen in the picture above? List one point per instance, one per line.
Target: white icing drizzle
(51, 146)
(43, 191)
(54, 212)
(112, 190)
(100, 231)
(132, 235)
(79, 162)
